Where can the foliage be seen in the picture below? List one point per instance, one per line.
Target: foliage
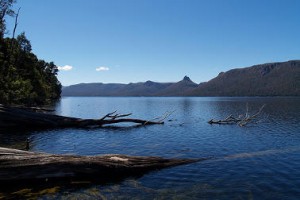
(5, 9)
(24, 79)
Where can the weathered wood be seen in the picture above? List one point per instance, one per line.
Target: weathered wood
(19, 117)
(18, 166)
(241, 120)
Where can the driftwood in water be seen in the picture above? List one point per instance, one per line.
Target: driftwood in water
(18, 166)
(241, 120)
(20, 117)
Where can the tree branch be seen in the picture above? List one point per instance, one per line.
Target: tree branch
(16, 23)
(241, 120)
(19, 117)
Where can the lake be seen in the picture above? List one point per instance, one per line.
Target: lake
(258, 161)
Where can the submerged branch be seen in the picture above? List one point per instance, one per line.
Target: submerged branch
(241, 120)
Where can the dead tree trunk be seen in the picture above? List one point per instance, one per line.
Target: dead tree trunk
(18, 166)
(18, 117)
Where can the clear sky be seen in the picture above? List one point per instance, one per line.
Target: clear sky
(122, 41)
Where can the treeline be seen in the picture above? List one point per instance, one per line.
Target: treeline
(24, 79)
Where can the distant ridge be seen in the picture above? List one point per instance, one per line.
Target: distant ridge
(270, 79)
(179, 89)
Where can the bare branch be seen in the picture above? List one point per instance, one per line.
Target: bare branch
(241, 120)
(166, 115)
(16, 23)
(123, 115)
(22, 117)
(107, 115)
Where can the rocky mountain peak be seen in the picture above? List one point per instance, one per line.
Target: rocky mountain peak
(186, 78)
(149, 83)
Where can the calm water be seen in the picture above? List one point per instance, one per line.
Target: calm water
(260, 161)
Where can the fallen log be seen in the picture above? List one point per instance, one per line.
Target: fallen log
(20, 117)
(17, 166)
(241, 120)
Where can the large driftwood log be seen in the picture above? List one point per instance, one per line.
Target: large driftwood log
(20, 117)
(18, 166)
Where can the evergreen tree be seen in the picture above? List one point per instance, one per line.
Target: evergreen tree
(24, 79)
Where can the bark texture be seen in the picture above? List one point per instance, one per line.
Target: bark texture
(19, 166)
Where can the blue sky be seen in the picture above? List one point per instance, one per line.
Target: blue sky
(124, 41)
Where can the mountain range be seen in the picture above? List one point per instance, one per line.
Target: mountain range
(270, 79)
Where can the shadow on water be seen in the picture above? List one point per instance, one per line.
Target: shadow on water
(34, 190)
(15, 138)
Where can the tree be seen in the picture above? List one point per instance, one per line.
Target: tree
(5, 9)
(24, 79)
(24, 43)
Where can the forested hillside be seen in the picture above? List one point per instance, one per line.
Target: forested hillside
(24, 78)
(270, 79)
